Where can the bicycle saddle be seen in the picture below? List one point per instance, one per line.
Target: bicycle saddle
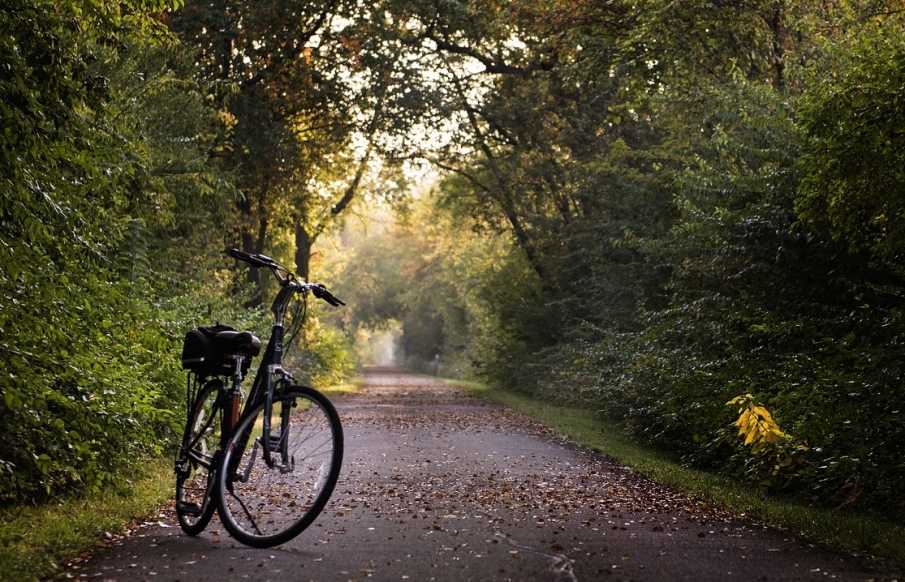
(232, 342)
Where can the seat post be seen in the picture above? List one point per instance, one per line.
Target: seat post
(236, 391)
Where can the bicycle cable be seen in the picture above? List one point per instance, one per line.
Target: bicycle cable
(297, 321)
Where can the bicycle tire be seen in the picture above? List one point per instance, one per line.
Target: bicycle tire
(263, 506)
(194, 504)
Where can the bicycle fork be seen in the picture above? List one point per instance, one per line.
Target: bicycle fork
(274, 449)
(271, 444)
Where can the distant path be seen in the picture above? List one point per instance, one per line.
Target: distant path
(438, 485)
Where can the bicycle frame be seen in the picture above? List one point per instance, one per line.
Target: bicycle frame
(265, 383)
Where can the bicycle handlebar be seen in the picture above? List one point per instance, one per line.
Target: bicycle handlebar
(317, 289)
(253, 260)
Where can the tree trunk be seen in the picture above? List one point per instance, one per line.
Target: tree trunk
(303, 245)
(253, 243)
(252, 275)
(779, 65)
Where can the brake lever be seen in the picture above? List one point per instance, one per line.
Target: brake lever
(320, 291)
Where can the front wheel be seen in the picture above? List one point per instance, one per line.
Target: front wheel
(264, 505)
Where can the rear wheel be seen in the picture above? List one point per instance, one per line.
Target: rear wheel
(194, 504)
(264, 506)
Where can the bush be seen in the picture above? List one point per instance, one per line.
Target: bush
(323, 357)
(85, 398)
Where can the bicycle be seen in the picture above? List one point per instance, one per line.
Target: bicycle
(268, 469)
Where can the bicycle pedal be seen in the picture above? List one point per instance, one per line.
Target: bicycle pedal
(188, 508)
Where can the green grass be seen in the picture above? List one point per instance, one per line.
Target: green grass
(352, 386)
(864, 535)
(38, 541)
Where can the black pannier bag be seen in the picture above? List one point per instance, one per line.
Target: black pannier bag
(209, 350)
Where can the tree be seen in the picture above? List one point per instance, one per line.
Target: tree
(282, 115)
(428, 273)
(549, 147)
(314, 93)
(758, 302)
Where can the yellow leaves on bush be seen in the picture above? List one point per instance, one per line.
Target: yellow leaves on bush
(756, 424)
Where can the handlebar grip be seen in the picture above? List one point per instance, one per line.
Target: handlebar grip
(319, 291)
(253, 260)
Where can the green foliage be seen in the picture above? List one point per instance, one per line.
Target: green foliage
(760, 304)
(414, 274)
(86, 394)
(88, 349)
(515, 322)
(855, 154)
(325, 358)
(35, 541)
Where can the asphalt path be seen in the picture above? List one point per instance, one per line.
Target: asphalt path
(440, 486)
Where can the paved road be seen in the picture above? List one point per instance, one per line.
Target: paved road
(439, 486)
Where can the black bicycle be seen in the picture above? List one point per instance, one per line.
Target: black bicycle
(270, 468)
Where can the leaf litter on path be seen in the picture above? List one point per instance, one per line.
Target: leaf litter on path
(439, 485)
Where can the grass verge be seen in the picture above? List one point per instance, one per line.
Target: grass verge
(350, 387)
(36, 542)
(864, 535)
